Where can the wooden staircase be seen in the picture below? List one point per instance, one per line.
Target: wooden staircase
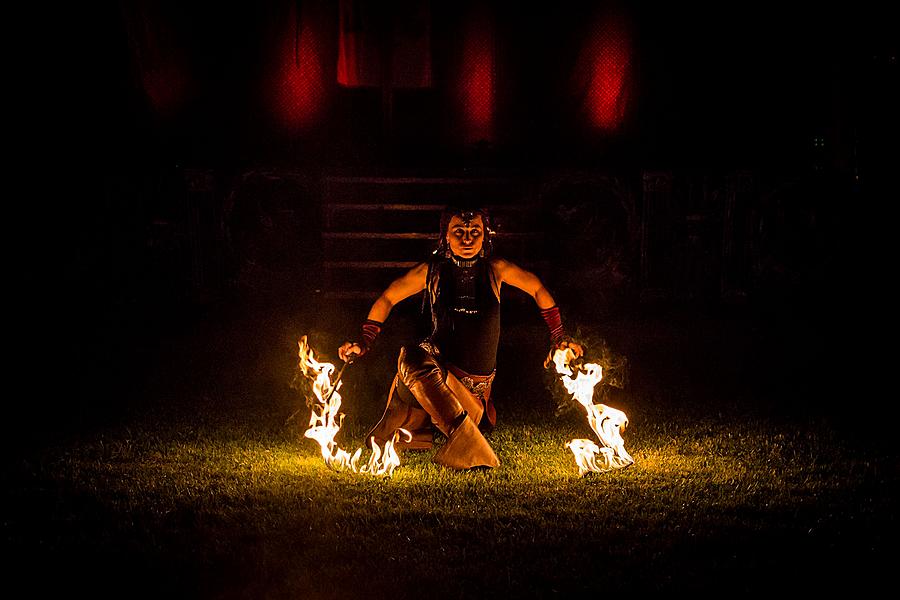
(376, 228)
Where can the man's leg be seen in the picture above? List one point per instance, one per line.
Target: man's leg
(403, 412)
(426, 380)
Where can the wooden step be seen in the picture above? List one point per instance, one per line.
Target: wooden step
(371, 264)
(362, 268)
(352, 294)
(377, 227)
(412, 235)
(412, 217)
(404, 249)
(422, 190)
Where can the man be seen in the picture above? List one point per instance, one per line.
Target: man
(445, 381)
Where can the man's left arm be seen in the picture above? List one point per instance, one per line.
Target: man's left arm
(529, 283)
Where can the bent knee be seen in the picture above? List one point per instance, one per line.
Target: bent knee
(414, 362)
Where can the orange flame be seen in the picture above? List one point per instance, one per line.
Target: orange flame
(607, 422)
(325, 422)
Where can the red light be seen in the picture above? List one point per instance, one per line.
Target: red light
(299, 84)
(607, 54)
(478, 83)
(166, 88)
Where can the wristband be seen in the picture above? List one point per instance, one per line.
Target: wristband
(553, 320)
(370, 331)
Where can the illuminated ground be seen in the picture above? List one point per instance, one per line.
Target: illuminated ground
(180, 478)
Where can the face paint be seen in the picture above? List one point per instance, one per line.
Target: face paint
(465, 236)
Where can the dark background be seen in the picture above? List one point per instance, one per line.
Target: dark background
(730, 232)
(747, 84)
(117, 259)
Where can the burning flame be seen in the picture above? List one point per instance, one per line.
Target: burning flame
(325, 422)
(608, 423)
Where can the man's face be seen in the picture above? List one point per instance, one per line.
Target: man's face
(465, 236)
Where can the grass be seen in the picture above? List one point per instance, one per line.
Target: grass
(214, 496)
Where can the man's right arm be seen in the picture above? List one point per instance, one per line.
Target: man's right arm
(408, 284)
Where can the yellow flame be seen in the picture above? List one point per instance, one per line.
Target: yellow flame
(326, 420)
(607, 422)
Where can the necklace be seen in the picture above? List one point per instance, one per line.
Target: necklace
(461, 262)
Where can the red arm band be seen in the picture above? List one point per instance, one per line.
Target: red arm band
(554, 323)
(370, 331)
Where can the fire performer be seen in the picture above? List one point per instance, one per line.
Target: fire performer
(445, 381)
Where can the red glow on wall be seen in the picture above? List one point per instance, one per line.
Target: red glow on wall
(359, 46)
(158, 56)
(298, 97)
(166, 88)
(478, 80)
(606, 73)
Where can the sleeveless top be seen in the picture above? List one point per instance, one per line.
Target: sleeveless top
(465, 314)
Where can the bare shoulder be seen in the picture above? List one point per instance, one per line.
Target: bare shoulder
(417, 274)
(420, 270)
(504, 269)
(409, 283)
(508, 272)
(500, 266)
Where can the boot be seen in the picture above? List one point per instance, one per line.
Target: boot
(400, 413)
(424, 379)
(466, 448)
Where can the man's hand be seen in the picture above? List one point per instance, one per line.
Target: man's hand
(575, 347)
(350, 351)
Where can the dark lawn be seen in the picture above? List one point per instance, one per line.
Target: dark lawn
(155, 461)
